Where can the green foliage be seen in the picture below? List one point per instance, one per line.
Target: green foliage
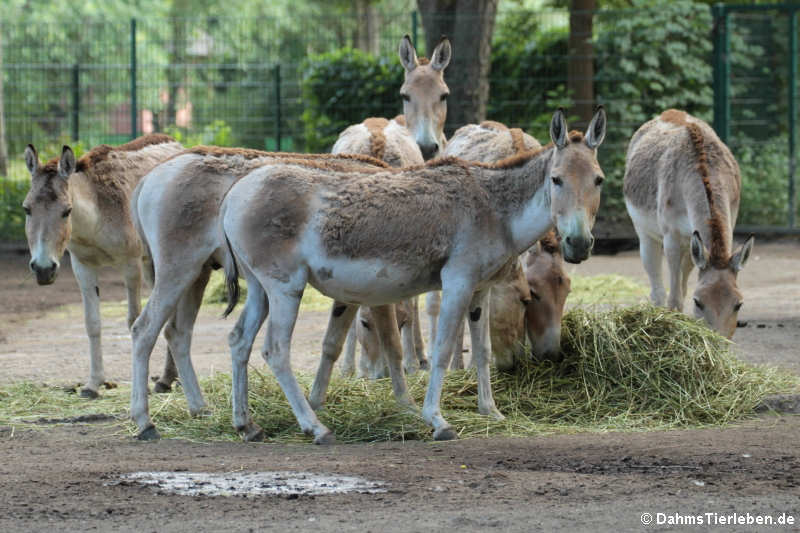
(12, 218)
(764, 168)
(218, 133)
(343, 88)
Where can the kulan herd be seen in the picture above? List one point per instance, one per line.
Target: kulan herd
(487, 218)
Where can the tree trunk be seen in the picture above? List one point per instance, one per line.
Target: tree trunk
(580, 66)
(3, 146)
(366, 32)
(469, 25)
(177, 57)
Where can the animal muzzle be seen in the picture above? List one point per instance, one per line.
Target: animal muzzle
(45, 275)
(429, 151)
(577, 248)
(547, 346)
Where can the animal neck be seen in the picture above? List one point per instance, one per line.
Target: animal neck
(713, 221)
(520, 196)
(86, 220)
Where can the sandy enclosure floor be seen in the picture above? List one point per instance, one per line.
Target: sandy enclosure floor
(69, 477)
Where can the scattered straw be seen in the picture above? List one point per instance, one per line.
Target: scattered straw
(638, 368)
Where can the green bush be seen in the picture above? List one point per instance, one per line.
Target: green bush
(764, 168)
(343, 88)
(12, 218)
(217, 133)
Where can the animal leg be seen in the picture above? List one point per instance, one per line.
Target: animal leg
(686, 268)
(349, 362)
(338, 325)
(241, 340)
(385, 323)
(410, 361)
(433, 302)
(169, 374)
(284, 301)
(133, 285)
(179, 337)
(673, 252)
(455, 301)
(419, 343)
(652, 253)
(457, 362)
(482, 351)
(167, 292)
(90, 293)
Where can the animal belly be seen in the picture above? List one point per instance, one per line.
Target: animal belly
(366, 282)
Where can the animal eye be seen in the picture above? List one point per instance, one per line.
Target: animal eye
(406, 97)
(599, 180)
(443, 98)
(66, 212)
(535, 296)
(557, 181)
(365, 324)
(737, 306)
(699, 304)
(26, 209)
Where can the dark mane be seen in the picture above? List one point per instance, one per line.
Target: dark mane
(550, 243)
(377, 138)
(719, 254)
(247, 153)
(98, 154)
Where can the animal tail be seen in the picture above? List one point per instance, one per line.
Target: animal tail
(147, 257)
(231, 277)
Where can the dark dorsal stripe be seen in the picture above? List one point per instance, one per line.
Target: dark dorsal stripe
(377, 138)
(719, 254)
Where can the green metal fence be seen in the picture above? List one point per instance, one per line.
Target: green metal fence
(755, 105)
(237, 81)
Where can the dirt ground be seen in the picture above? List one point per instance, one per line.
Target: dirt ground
(58, 477)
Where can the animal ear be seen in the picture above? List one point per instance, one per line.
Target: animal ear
(66, 164)
(558, 129)
(597, 129)
(408, 55)
(699, 252)
(739, 259)
(31, 159)
(441, 54)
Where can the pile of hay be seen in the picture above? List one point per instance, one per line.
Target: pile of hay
(636, 368)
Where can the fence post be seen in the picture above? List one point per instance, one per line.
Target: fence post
(134, 111)
(414, 27)
(277, 78)
(722, 108)
(792, 113)
(76, 101)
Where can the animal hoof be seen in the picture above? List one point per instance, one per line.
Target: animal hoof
(326, 438)
(89, 393)
(423, 365)
(110, 385)
(445, 433)
(149, 433)
(252, 433)
(161, 388)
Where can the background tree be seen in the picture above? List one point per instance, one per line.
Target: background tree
(580, 63)
(469, 24)
(3, 146)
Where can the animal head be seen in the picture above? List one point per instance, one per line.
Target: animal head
(48, 224)
(509, 299)
(717, 299)
(575, 180)
(425, 94)
(549, 286)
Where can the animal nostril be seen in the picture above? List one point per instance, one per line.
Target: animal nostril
(569, 240)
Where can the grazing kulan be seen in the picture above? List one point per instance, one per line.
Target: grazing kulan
(83, 206)
(360, 238)
(176, 211)
(682, 187)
